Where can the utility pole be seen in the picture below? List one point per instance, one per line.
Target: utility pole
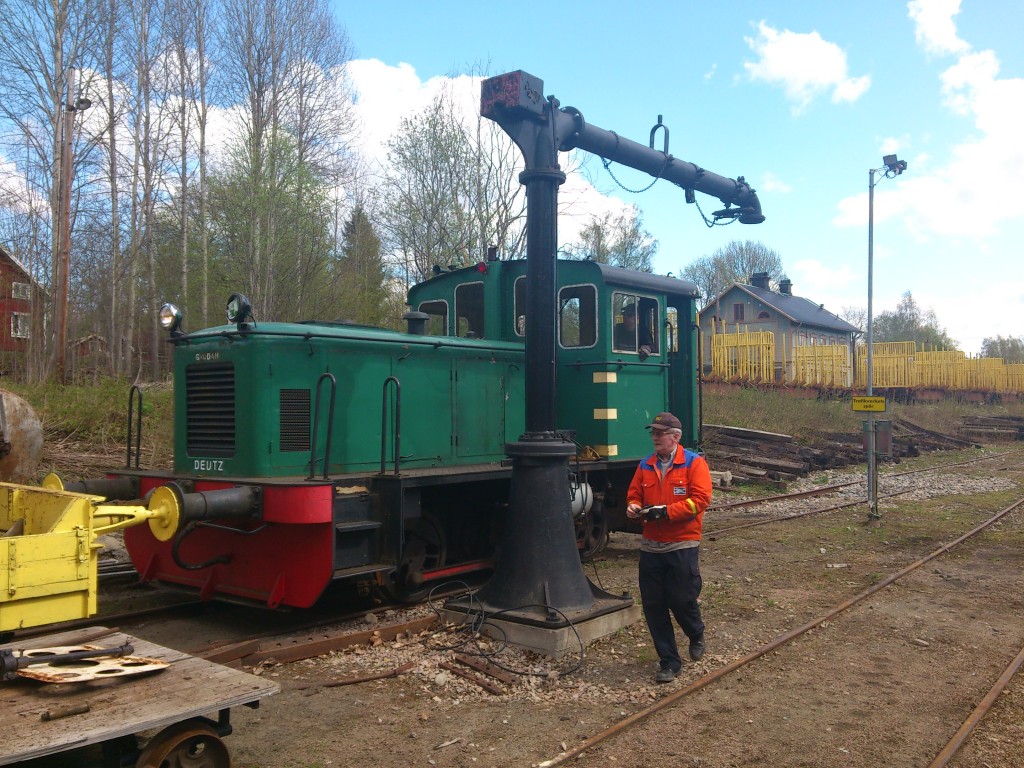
(58, 361)
(893, 167)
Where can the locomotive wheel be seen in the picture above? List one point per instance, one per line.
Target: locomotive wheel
(189, 744)
(592, 533)
(425, 548)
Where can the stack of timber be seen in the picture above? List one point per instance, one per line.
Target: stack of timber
(773, 459)
(993, 427)
(927, 439)
(752, 456)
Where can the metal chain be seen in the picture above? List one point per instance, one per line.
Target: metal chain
(709, 223)
(607, 166)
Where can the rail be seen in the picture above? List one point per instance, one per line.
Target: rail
(638, 717)
(316, 425)
(396, 436)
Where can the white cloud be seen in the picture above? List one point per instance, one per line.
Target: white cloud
(803, 65)
(890, 145)
(387, 94)
(934, 28)
(824, 283)
(971, 193)
(773, 183)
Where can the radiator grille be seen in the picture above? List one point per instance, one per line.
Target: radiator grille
(210, 409)
(294, 419)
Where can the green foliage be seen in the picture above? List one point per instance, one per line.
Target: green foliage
(733, 263)
(360, 275)
(617, 239)
(911, 323)
(1010, 349)
(270, 223)
(97, 415)
(423, 205)
(772, 411)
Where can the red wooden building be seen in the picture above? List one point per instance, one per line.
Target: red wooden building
(20, 311)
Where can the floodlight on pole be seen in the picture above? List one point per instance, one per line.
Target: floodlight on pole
(71, 106)
(892, 167)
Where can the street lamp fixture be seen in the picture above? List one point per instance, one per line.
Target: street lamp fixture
(72, 105)
(892, 167)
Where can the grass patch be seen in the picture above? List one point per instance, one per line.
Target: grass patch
(96, 416)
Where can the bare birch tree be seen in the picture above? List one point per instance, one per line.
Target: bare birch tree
(40, 40)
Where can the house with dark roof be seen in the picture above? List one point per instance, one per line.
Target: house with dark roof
(21, 317)
(794, 320)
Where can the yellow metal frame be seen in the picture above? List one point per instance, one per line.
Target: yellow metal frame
(48, 549)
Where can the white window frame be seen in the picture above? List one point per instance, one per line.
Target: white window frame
(21, 325)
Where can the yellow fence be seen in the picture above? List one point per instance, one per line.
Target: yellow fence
(892, 364)
(744, 356)
(822, 365)
(751, 357)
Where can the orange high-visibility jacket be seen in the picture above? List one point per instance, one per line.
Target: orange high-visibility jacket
(685, 490)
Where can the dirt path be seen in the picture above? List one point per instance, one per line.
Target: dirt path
(888, 683)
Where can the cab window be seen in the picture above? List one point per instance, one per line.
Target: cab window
(519, 307)
(672, 325)
(637, 323)
(577, 316)
(437, 323)
(469, 310)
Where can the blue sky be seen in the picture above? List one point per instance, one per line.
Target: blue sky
(801, 98)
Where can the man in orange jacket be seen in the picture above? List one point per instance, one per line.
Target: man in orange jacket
(669, 492)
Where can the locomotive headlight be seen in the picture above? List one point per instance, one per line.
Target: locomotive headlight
(170, 317)
(239, 310)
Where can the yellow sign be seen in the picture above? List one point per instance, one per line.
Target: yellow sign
(872, 404)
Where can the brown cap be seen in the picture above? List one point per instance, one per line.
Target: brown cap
(665, 420)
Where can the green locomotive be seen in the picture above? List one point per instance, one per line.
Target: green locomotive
(312, 452)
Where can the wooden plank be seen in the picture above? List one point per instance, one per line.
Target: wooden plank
(109, 709)
(296, 650)
(482, 665)
(487, 685)
(751, 434)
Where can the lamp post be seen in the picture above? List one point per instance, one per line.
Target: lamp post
(891, 167)
(71, 106)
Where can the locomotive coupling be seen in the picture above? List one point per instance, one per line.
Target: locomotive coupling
(168, 509)
(183, 508)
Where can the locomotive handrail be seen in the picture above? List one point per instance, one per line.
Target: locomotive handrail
(435, 343)
(700, 390)
(672, 353)
(138, 427)
(397, 436)
(316, 425)
(619, 363)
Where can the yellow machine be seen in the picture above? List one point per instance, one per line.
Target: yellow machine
(48, 549)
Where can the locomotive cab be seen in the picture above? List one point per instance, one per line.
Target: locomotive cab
(625, 342)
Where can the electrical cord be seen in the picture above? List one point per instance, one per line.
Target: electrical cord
(477, 618)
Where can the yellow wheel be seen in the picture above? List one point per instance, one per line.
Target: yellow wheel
(189, 744)
(167, 502)
(52, 482)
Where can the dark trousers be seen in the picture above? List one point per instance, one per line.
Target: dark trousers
(669, 585)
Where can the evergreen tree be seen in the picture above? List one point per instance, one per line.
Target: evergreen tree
(365, 294)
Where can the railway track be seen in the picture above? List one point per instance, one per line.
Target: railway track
(793, 661)
(847, 487)
(396, 681)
